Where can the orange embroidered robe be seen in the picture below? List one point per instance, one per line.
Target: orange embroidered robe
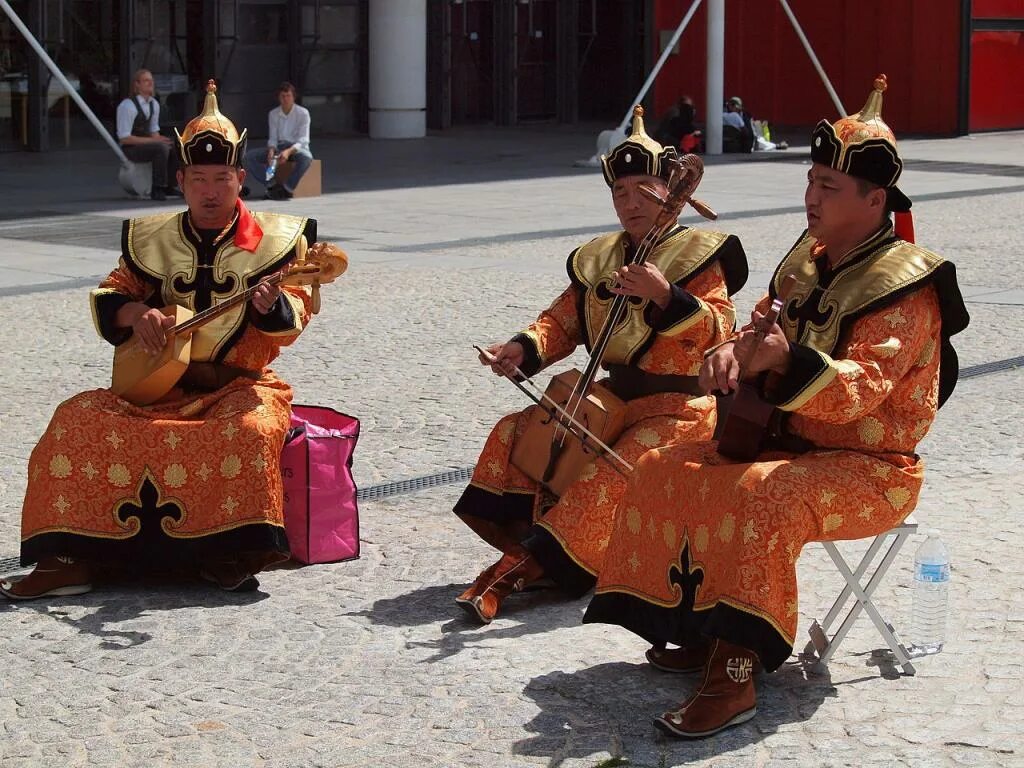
(704, 268)
(704, 546)
(196, 475)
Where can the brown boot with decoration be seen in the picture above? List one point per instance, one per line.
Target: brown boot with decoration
(515, 571)
(726, 696)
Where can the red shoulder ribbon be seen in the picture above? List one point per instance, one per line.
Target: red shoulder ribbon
(248, 234)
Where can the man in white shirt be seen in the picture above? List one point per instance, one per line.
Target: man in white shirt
(288, 139)
(138, 131)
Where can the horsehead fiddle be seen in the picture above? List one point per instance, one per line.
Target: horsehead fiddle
(574, 403)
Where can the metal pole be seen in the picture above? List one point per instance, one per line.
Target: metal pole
(45, 57)
(716, 77)
(814, 59)
(658, 65)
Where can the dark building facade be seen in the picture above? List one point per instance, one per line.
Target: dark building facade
(954, 66)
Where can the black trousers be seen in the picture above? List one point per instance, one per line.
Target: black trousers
(161, 155)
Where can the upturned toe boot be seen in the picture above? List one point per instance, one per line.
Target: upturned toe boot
(512, 573)
(726, 696)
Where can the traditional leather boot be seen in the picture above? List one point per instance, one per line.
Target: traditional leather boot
(52, 577)
(688, 658)
(726, 696)
(477, 586)
(511, 574)
(501, 536)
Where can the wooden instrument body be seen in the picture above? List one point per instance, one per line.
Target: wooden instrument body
(142, 378)
(745, 424)
(601, 412)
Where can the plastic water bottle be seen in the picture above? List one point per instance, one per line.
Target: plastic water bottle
(931, 594)
(271, 168)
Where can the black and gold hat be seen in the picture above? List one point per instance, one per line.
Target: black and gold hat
(639, 155)
(864, 147)
(211, 139)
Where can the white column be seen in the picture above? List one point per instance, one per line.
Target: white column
(716, 77)
(398, 69)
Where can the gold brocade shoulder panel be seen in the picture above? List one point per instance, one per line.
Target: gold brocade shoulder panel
(894, 267)
(157, 246)
(679, 256)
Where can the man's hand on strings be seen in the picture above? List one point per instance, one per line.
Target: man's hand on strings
(265, 297)
(773, 352)
(505, 358)
(644, 281)
(720, 371)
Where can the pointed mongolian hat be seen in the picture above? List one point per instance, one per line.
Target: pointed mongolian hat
(864, 147)
(639, 155)
(210, 138)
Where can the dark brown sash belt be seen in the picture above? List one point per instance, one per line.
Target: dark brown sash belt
(207, 377)
(629, 383)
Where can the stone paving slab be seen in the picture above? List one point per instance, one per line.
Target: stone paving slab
(369, 663)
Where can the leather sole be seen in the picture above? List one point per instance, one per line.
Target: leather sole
(68, 590)
(665, 726)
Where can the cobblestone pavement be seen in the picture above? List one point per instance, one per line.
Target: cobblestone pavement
(368, 663)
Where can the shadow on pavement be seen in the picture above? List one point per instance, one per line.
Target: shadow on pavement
(609, 709)
(532, 613)
(117, 602)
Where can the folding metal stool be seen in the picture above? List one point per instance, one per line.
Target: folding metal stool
(826, 646)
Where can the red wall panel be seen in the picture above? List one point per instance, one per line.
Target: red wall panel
(997, 99)
(915, 42)
(995, 9)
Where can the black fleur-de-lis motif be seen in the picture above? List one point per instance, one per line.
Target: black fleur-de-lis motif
(148, 516)
(689, 582)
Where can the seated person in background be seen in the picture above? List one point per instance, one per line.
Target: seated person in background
(703, 550)
(677, 128)
(192, 480)
(288, 139)
(138, 132)
(737, 132)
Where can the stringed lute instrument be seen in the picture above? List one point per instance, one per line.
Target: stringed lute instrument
(745, 427)
(142, 378)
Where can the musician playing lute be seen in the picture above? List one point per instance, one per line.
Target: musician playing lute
(679, 307)
(193, 480)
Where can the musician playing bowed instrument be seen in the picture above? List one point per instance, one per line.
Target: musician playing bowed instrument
(682, 307)
(193, 479)
(704, 548)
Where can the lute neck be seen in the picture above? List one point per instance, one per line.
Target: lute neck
(210, 313)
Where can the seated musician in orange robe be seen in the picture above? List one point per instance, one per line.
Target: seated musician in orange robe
(194, 479)
(704, 548)
(681, 307)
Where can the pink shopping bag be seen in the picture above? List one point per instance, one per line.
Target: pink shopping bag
(321, 518)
